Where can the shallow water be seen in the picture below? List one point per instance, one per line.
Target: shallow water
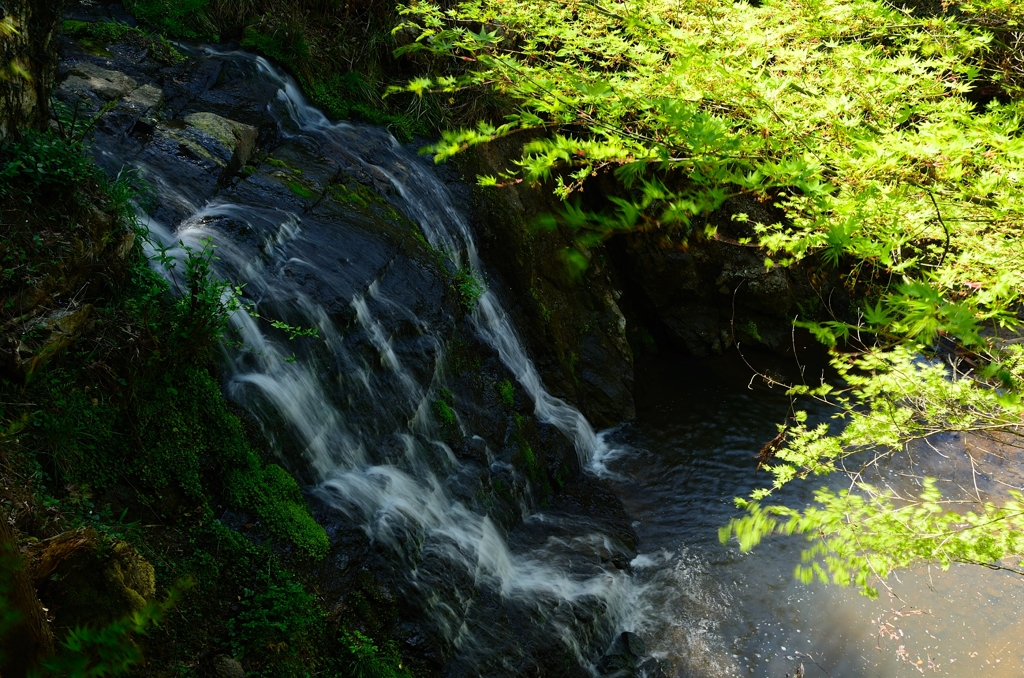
(713, 611)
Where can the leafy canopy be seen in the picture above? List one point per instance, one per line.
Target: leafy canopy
(889, 141)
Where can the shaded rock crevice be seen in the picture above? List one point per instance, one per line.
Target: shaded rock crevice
(706, 295)
(569, 316)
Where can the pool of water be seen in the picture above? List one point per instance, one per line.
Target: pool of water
(713, 611)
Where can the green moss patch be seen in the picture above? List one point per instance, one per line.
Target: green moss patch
(301, 190)
(96, 35)
(126, 432)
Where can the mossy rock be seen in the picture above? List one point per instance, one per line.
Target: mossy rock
(222, 142)
(86, 580)
(238, 137)
(227, 667)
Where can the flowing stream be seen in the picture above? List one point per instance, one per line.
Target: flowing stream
(359, 405)
(402, 498)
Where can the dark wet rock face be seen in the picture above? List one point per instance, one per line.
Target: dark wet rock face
(572, 323)
(595, 538)
(398, 390)
(706, 295)
(638, 290)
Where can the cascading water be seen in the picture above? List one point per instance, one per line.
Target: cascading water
(424, 198)
(391, 472)
(424, 498)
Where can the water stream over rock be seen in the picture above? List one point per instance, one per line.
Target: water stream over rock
(423, 474)
(361, 401)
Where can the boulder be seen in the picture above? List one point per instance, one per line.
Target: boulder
(125, 246)
(624, 656)
(108, 85)
(145, 99)
(83, 579)
(233, 141)
(45, 338)
(653, 667)
(212, 140)
(227, 667)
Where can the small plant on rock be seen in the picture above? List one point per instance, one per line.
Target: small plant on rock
(468, 287)
(507, 393)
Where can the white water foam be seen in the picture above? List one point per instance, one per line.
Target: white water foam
(403, 504)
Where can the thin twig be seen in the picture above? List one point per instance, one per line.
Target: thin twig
(945, 228)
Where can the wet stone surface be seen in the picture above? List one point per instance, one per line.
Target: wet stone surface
(417, 462)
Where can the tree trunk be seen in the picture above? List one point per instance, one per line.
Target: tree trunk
(29, 640)
(28, 62)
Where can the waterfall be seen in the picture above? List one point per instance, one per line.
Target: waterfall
(386, 473)
(355, 411)
(425, 199)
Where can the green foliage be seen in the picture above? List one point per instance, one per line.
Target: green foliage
(274, 496)
(507, 393)
(94, 33)
(279, 616)
(850, 116)
(184, 427)
(444, 413)
(293, 331)
(129, 423)
(751, 329)
(347, 196)
(864, 535)
(105, 31)
(338, 94)
(110, 650)
(890, 143)
(528, 457)
(203, 303)
(366, 660)
(892, 398)
(468, 288)
(46, 180)
(286, 44)
(348, 95)
(443, 408)
(88, 652)
(301, 190)
(7, 27)
(168, 425)
(250, 605)
(41, 165)
(175, 18)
